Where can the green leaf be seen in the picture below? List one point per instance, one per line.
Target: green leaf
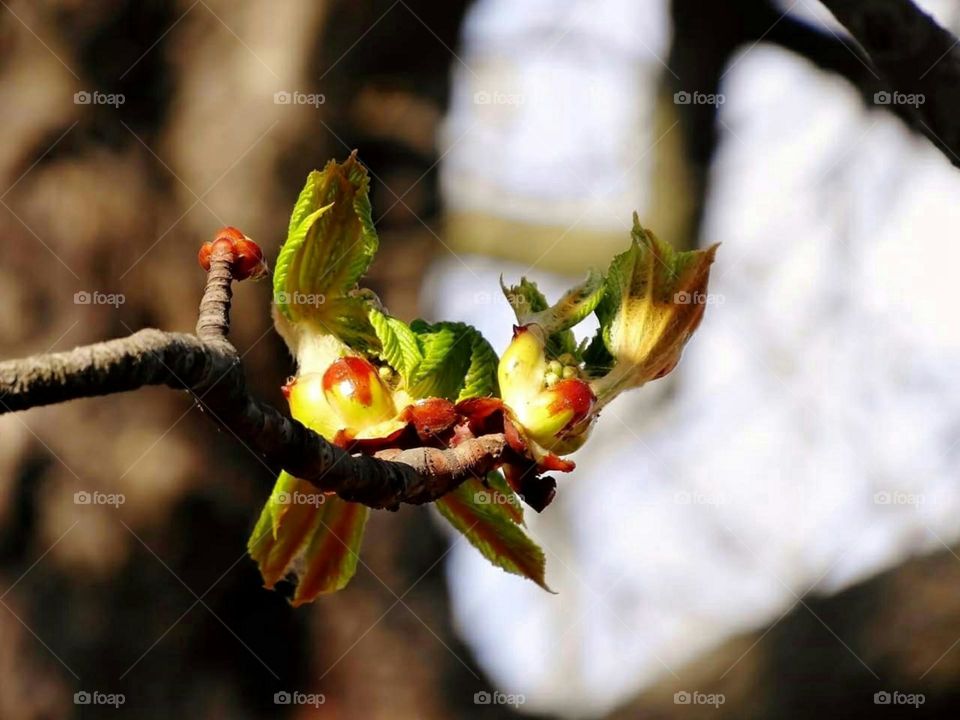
(530, 306)
(510, 500)
(491, 526)
(576, 304)
(525, 299)
(481, 377)
(596, 358)
(457, 362)
(398, 343)
(330, 244)
(435, 343)
(289, 253)
(307, 202)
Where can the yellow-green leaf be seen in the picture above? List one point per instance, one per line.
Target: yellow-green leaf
(487, 518)
(654, 300)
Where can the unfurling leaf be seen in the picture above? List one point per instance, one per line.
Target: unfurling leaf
(488, 519)
(481, 378)
(398, 344)
(654, 300)
(330, 243)
(306, 534)
(331, 239)
(531, 307)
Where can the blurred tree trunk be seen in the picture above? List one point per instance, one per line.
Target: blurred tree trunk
(117, 200)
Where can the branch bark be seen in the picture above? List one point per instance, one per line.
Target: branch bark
(208, 366)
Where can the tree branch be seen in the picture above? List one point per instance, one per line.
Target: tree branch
(915, 56)
(207, 365)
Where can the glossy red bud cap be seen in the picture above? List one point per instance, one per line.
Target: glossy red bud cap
(354, 389)
(573, 395)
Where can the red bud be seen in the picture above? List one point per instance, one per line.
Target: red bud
(353, 387)
(248, 258)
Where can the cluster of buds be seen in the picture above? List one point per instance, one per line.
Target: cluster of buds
(644, 325)
(565, 367)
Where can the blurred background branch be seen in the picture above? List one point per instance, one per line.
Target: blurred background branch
(915, 56)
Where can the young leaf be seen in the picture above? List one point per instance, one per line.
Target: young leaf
(290, 252)
(329, 561)
(654, 300)
(307, 534)
(435, 345)
(330, 243)
(525, 299)
(596, 358)
(505, 496)
(398, 343)
(578, 302)
(491, 527)
(481, 378)
(457, 363)
(530, 306)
